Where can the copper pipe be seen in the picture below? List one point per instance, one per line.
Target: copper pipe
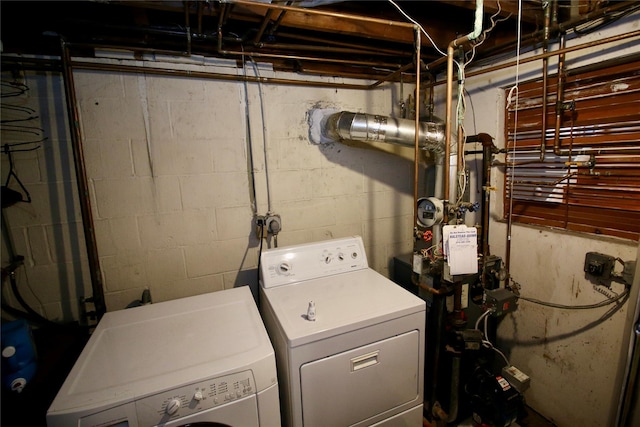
(559, 97)
(432, 78)
(545, 74)
(186, 13)
(563, 27)
(188, 26)
(315, 48)
(211, 76)
(223, 11)
(302, 68)
(393, 75)
(325, 13)
(594, 43)
(82, 183)
(379, 51)
(487, 151)
(200, 11)
(263, 26)
(444, 291)
(305, 58)
(279, 19)
(416, 161)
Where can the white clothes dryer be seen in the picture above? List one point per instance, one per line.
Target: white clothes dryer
(349, 342)
(201, 360)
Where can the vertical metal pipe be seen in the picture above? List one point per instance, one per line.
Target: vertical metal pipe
(83, 187)
(200, 10)
(188, 26)
(545, 73)
(447, 131)
(432, 80)
(449, 119)
(559, 97)
(416, 160)
(487, 148)
(221, 16)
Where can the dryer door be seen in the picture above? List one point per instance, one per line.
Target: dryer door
(356, 385)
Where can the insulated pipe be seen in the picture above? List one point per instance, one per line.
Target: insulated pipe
(347, 126)
(448, 128)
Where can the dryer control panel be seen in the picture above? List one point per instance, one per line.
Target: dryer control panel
(281, 266)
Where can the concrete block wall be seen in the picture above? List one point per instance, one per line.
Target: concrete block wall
(47, 232)
(169, 170)
(572, 356)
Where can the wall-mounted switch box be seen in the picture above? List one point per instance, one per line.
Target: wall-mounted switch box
(500, 301)
(599, 265)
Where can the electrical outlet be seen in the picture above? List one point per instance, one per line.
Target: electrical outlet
(267, 224)
(273, 224)
(261, 230)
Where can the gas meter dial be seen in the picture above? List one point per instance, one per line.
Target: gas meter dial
(430, 211)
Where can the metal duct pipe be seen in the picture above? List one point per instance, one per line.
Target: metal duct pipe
(372, 128)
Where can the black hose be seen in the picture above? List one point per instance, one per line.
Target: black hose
(29, 312)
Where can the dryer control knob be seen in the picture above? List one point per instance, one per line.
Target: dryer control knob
(172, 406)
(198, 396)
(284, 268)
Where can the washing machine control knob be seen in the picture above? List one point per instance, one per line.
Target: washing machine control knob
(172, 406)
(341, 256)
(328, 258)
(198, 396)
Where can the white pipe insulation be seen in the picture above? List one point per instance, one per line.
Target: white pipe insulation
(331, 126)
(477, 25)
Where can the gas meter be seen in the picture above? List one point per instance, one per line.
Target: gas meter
(430, 211)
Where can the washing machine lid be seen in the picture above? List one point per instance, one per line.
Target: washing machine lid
(135, 352)
(343, 303)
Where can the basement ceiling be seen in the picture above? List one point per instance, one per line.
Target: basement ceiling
(361, 39)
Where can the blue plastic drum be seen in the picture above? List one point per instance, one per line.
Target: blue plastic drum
(18, 355)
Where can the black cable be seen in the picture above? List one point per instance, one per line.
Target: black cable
(260, 252)
(604, 303)
(578, 307)
(29, 312)
(546, 340)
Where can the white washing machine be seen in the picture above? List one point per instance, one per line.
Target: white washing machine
(199, 360)
(349, 342)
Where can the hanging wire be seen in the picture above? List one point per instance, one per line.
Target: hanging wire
(484, 34)
(17, 89)
(419, 26)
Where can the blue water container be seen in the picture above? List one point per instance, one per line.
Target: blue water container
(19, 359)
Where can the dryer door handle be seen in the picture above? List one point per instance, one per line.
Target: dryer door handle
(365, 361)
